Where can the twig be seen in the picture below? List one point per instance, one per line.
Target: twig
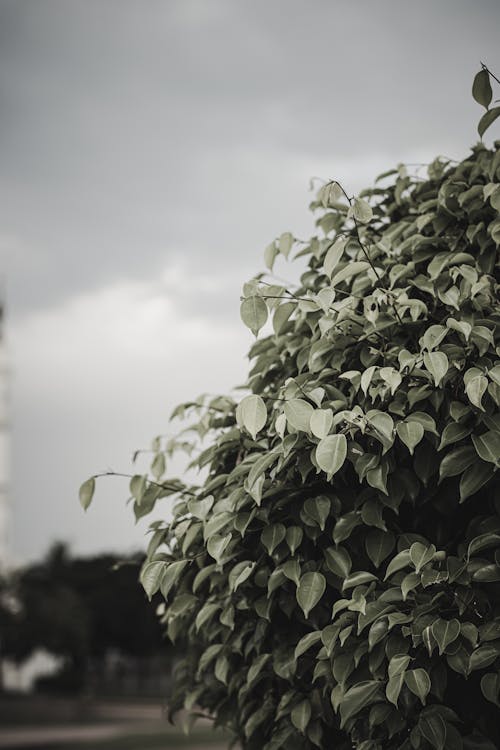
(164, 486)
(364, 249)
(485, 67)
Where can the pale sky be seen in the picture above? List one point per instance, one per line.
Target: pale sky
(149, 151)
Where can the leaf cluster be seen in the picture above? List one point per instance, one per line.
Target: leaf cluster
(335, 579)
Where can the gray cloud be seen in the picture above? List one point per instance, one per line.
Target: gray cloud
(127, 130)
(140, 138)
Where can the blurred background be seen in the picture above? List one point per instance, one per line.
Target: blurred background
(149, 151)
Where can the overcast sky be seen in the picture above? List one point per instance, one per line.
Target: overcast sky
(148, 153)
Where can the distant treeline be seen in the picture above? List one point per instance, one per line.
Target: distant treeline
(92, 613)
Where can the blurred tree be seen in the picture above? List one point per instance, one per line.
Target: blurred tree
(82, 609)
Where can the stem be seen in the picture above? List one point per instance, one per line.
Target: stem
(485, 67)
(164, 486)
(364, 249)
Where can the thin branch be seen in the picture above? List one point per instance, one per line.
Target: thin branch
(365, 249)
(164, 486)
(485, 67)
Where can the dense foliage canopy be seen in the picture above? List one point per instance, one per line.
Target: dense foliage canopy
(335, 580)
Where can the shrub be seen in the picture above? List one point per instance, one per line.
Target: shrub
(335, 580)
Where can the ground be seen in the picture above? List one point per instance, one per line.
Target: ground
(44, 724)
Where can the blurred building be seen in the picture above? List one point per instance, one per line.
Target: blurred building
(4, 442)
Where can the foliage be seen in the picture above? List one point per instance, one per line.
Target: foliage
(80, 609)
(335, 580)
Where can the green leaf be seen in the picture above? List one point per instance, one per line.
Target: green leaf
(298, 413)
(475, 389)
(393, 688)
(490, 687)
(86, 492)
(291, 569)
(457, 461)
(420, 555)
(357, 579)
(359, 697)
(183, 603)
(474, 478)
(494, 197)
(487, 119)
(433, 336)
(252, 414)
(400, 561)
(270, 254)
(461, 326)
(208, 656)
(409, 582)
(366, 378)
(378, 631)
(200, 508)
(483, 541)
(282, 315)
(325, 298)
(306, 642)
(301, 715)
(425, 420)
(171, 576)
(293, 538)
(138, 485)
(253, 311)
(338, 561)
(311, 588)
(433, 729)
(272, 536)
(445, 632)
(158, 466)
(494, 374)
(331, 453)
(205, 614)
(487, 574)
(437, 364)
(488, 446)
(345, 525)
(151, 576)
(452, 433)
(351, 269)
(398, 665)
(257, 718)
(481, 88)
(382, 426)
(362, 211)
(321, 422)
(379, 545)
(256, 668)
(484, 656)
(318, 509)
(217, 545)
(202, 575)
(240, 573)
(392, 377)
(418, 681)
(333, 256)
(216, 522)
(410, 433)
(377, 478)
(222, 668)
(259, 467)
(285, 243)
(372, 514)
(335, 192)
